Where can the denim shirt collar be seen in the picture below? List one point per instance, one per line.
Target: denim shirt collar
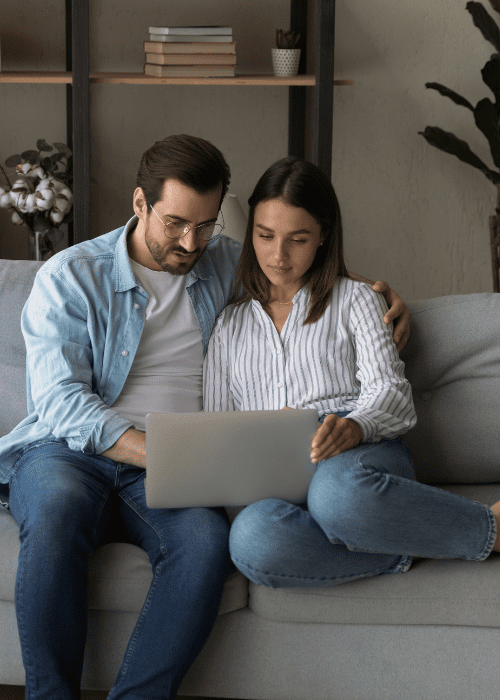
(124, 277)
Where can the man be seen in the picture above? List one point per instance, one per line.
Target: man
(114, 328)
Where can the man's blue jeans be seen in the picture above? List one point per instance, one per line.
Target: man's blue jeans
(365, 515)
(60, 498)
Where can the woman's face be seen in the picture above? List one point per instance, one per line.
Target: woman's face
(285, 240)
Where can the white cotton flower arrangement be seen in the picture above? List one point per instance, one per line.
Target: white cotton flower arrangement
(40, 196)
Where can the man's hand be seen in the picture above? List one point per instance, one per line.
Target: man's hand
(398, 312)
(336, 435)
(130, 448)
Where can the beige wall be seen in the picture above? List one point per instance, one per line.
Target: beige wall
(412, 214)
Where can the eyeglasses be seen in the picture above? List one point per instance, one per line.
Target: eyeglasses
(178, 229)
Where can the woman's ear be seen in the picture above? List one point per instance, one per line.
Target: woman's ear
(139, 203)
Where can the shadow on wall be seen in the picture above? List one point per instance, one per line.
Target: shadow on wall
(13, 239)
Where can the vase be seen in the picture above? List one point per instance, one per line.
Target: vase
(43, 246)
(285, 62)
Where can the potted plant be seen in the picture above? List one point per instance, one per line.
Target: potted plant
(486, 116)
(40, 195)
(286, 56)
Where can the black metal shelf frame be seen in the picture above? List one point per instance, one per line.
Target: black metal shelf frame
(78, 99)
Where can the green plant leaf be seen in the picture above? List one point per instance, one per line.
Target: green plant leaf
(491, 76)
(12, 161)
(62, 148)
(449, 143)
(287, 40)
(485, 23)
(42, 145)
(31, 157)
(486, 118)
(443, 90)
(57, 157)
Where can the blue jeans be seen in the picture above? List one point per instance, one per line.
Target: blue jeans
(365, 515)
(60, 498)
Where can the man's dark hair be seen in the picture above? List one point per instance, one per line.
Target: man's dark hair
(301, 184)
(193, 161)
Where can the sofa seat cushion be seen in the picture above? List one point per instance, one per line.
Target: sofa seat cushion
(120, 574)
(432, 592)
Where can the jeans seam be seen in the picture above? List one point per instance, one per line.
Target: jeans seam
(27, 659)
(131, 503)
(492, 534)
(133, 638)
(371, 572)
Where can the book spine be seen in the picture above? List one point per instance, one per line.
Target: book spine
(191, 59)
(194, 31)
(189, 47)
(189, 71)
(170, 38)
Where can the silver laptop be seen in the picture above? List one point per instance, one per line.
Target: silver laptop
(228, 459)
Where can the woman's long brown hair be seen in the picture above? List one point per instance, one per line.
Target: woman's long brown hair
(301, 184)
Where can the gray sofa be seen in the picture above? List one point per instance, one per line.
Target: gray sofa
(432, 633)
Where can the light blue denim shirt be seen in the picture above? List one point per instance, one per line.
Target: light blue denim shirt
(82, 325)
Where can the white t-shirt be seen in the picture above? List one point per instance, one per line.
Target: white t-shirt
(166, 374)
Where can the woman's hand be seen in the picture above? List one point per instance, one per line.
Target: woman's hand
(336, 435)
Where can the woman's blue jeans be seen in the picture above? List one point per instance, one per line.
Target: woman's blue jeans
(365, 515)
(60, 498)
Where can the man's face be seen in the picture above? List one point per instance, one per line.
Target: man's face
(179, 203)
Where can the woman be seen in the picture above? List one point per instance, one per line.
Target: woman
(305, 335)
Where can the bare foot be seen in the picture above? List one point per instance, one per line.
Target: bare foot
(496, 512)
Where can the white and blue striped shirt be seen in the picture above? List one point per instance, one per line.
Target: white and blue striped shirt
(346, 361)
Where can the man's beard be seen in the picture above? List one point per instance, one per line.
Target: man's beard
(158, 256)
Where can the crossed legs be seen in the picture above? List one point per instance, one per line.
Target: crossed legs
(365, 515)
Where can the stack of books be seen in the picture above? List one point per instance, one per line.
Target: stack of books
(196, 52)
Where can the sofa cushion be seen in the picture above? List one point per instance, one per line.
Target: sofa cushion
(432, 592)
(453, 364)
(16, 280)
(120, 574)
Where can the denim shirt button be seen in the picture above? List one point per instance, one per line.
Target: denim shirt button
(137, 306)
(124, 353)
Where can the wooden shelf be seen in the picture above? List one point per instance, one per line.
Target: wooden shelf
(243, 79)
(313, 125)
(35, 77)
(141, 79)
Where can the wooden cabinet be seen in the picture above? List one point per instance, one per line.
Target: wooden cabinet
(79, 80)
